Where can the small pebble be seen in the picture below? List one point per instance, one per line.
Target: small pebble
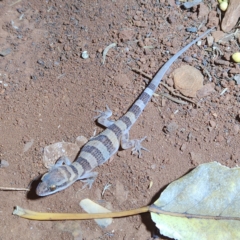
(219, 138)
(153, 166)
(3, 163)
(41, 62)
(81, 140)
(171, 127)
(235, 129)
(188, 59)
(5, 52)
(212, 123)
(237, 78)
(210, 40)
(191, 29)
(183, 147)
(67, 48)
(191, 4)
(85, 55)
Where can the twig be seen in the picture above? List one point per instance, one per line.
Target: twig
(107, 186)
(106, 51)
(173, 98)
(173, 92)
(223, 91)
(13, 189)
(10, 5)
(140, 71)
(207, 72)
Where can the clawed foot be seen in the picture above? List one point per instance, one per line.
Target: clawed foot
(102, 118)
(87, 183)
(103, 114)
(88, 179)
(138, 147)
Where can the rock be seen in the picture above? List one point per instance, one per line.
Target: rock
(28, 145)
(188, 80)
(212, 123)
(202, 11)
(139, 24)
(206, 90)
(219, 138)
(213, 19)
(188, 59)
(170, 128)
(210, 40)
(221, 62)
(217, 35)
(54, 151)
(190, 4)
(231, 16)
(5, 52)
(183, 147)
(235, 129)
(3, 163)
(81, 140)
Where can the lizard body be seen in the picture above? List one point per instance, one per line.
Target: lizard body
(101, 147)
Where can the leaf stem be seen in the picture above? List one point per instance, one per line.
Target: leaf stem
(43, 216)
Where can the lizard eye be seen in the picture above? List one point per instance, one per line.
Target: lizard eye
(53, 187)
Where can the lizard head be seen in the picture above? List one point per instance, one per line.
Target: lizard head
(54, 181)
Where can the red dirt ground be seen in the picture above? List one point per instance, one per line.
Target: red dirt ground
(49, 94)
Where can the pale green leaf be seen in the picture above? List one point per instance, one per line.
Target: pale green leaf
(204, 204)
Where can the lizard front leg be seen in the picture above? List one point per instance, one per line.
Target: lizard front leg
(88, 179)
(62, 160)
(135, 144)
(102, 118)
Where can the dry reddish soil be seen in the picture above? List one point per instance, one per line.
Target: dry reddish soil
(49, 94)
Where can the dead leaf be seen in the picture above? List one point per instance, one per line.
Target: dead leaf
(203, 205)
(188, 80)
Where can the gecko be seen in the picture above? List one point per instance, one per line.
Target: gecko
(102, 147)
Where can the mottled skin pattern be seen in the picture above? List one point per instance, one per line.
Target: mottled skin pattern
(100, 148)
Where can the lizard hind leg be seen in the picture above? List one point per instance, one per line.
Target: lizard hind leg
(135, 144)
(102, 118)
